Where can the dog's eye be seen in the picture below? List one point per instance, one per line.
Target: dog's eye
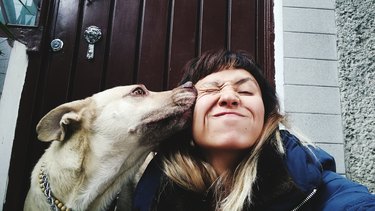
(138, 92)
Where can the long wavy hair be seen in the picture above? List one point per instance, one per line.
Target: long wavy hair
(182, 161)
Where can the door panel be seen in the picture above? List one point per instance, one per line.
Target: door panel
(244, 36)
(153, 44)
(123, 56)
(184, 42)
(265, 38)
(143, 41)
(88, 73)
(214, 24)
(59, 65)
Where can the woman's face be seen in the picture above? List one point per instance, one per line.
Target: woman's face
(229, 112)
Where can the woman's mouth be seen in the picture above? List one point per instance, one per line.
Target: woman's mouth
(227, 113)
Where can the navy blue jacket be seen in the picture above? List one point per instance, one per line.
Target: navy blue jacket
(311, 169)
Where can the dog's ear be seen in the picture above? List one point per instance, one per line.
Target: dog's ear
(53, 126)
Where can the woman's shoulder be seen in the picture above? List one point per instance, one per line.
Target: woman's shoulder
(294, 147)
(339, 193)
(304, 162)
(311, 167)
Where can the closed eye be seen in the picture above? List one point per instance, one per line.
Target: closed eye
(245, 93)
(138, 91)
(209, 90)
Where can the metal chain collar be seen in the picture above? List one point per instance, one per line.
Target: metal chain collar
(55, 204)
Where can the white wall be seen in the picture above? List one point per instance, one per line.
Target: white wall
(306, 71)
(9, 104)
(4, 59)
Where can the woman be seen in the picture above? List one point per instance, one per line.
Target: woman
(237, 158)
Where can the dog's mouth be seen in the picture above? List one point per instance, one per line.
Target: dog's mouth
(163, 122)
(174, 117)
(154, 130)
(180, 107)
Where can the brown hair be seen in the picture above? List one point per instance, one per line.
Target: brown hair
(215, 61)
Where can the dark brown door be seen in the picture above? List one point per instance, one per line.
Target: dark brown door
(143, 41)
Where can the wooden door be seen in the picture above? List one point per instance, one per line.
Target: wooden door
(143, 41)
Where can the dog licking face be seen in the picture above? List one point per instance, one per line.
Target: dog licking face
(99, 143)
(150, 116)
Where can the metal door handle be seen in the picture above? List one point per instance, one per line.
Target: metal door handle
(92, 35)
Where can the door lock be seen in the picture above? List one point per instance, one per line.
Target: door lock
(57, 45)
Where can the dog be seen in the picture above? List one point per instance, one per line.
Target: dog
(99, 143)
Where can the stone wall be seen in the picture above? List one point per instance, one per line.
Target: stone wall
(355, 21)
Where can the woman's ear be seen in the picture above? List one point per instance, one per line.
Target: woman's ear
(53, 126)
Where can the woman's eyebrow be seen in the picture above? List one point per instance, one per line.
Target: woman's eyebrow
(212, 84)
(220, 84)
(243, 80)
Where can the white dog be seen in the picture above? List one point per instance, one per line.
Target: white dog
(100, 142)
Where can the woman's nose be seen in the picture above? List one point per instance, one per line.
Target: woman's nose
(229, 98)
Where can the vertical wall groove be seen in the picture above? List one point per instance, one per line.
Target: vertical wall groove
(167, 66)
(200, 28)
(73, 68)
(229, 25)
(138, 50)
(257, 32)
(108, 44)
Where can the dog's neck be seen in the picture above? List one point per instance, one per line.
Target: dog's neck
(45, 186)
(83, 183)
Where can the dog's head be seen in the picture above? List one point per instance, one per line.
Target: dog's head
(127, 113)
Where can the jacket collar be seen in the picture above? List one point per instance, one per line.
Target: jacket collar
(305, 163)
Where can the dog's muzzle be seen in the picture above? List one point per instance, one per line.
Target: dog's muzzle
(185, 95)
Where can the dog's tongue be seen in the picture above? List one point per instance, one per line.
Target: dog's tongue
(188, 84)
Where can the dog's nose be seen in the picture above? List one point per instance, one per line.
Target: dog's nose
(188, 84)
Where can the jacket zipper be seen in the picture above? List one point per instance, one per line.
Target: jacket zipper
(305, 200)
